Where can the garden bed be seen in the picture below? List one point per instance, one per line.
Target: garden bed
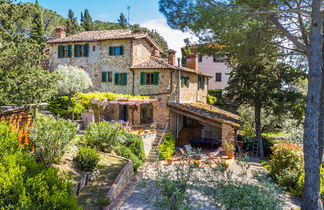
(93, 195)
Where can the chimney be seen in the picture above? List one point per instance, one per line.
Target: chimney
(59, 32)
(172, 57)
(192, 62)
(156, 53)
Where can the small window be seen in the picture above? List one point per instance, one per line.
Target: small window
(185, 81)
(110, 77)
(218, 59)
(218, 77)
(116, 50)
(149, 78)
(121, 78)
(81, 50)
(64, 51)
(93, 48)
(200, 58)
(201, 82)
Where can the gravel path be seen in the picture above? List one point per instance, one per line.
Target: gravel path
(142, 197)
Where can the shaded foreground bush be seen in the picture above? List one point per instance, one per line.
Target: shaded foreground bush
(50, 136)
(286, 168)
(63, 107)
(87, 158)
(107, 137)
(26, 184)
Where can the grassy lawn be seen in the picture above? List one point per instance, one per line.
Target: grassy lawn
(92, 195)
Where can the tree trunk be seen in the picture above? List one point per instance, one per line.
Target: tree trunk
(311, 196)
(257, 121)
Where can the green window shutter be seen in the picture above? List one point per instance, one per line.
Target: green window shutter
(188, 81)
(111, 50)
(199, 81)
(86, 50)
(124, 77)
(182, 81)
(76, 50)
(116, 78)
(203, 83)
(122, 50)
(104, 76)
(156, 78)
(143, 75)
(60, 51)
(69, 51)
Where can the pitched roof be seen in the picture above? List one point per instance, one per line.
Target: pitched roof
(208, 112)
(159, 63)
(92, 36)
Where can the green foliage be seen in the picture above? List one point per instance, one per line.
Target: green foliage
(126, 152)
(267, 144)
(86, 21)
(104, 136)
(71, 24)
(87, 158)
(136, 144)
(229, 148)
(74, 80)
(26, 184)
(211, 99)
(50, 137)
(122, 20)
(61, 106)
(23, 81)
(166, 149)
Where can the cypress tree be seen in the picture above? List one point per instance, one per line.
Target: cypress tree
(122, 20)
(37, 31)
(86, 21)
(71, 23)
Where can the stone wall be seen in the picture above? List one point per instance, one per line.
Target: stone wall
(142, 51)
(148, 140)
(191, 93)
(228, 133)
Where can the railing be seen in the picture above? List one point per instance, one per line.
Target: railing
(163, 134)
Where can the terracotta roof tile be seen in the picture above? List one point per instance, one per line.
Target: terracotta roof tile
(159, 63)
(88, 36)
(208, 111)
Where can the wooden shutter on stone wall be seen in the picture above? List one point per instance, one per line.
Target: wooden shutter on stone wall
(111, 50)
(60, 51)
(116, 78)
(76, 51)
(156, 78)
(124, 77)
(69, 51)
(143, 77)
(104, 76)
(122, 50)
(86, 50)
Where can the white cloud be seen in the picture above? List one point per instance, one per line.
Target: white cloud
(173, 37)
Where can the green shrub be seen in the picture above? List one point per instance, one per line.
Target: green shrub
(104, 136)
(87, 158)
(136, 144)
(63, 107)
(126, 152)
(50, 137)
(167, 148)
(267, 144)
(26, 184)
(211, 99)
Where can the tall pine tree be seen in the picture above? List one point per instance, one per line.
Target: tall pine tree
(86, 21)
(37, 31)
(71, 24)
(122, 20)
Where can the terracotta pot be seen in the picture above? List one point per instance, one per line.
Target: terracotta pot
(169, 161)
(230, 155)
(197, 163)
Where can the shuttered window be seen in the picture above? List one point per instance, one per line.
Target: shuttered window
(81, 50)
(149, 78)
(201, 82)
(121, 78)
(104, 76)
(119, 50)
(185, 81)
(64, 51)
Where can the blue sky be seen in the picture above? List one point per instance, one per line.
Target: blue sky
(143, 12)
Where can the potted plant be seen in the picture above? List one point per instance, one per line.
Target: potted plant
(230, 149)
(169, 160)
(197, 163)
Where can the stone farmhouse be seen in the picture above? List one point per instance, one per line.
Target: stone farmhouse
(120, 61)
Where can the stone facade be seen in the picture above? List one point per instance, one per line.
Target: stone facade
(228, 134)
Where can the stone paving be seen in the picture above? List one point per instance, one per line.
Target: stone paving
(140, 200)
